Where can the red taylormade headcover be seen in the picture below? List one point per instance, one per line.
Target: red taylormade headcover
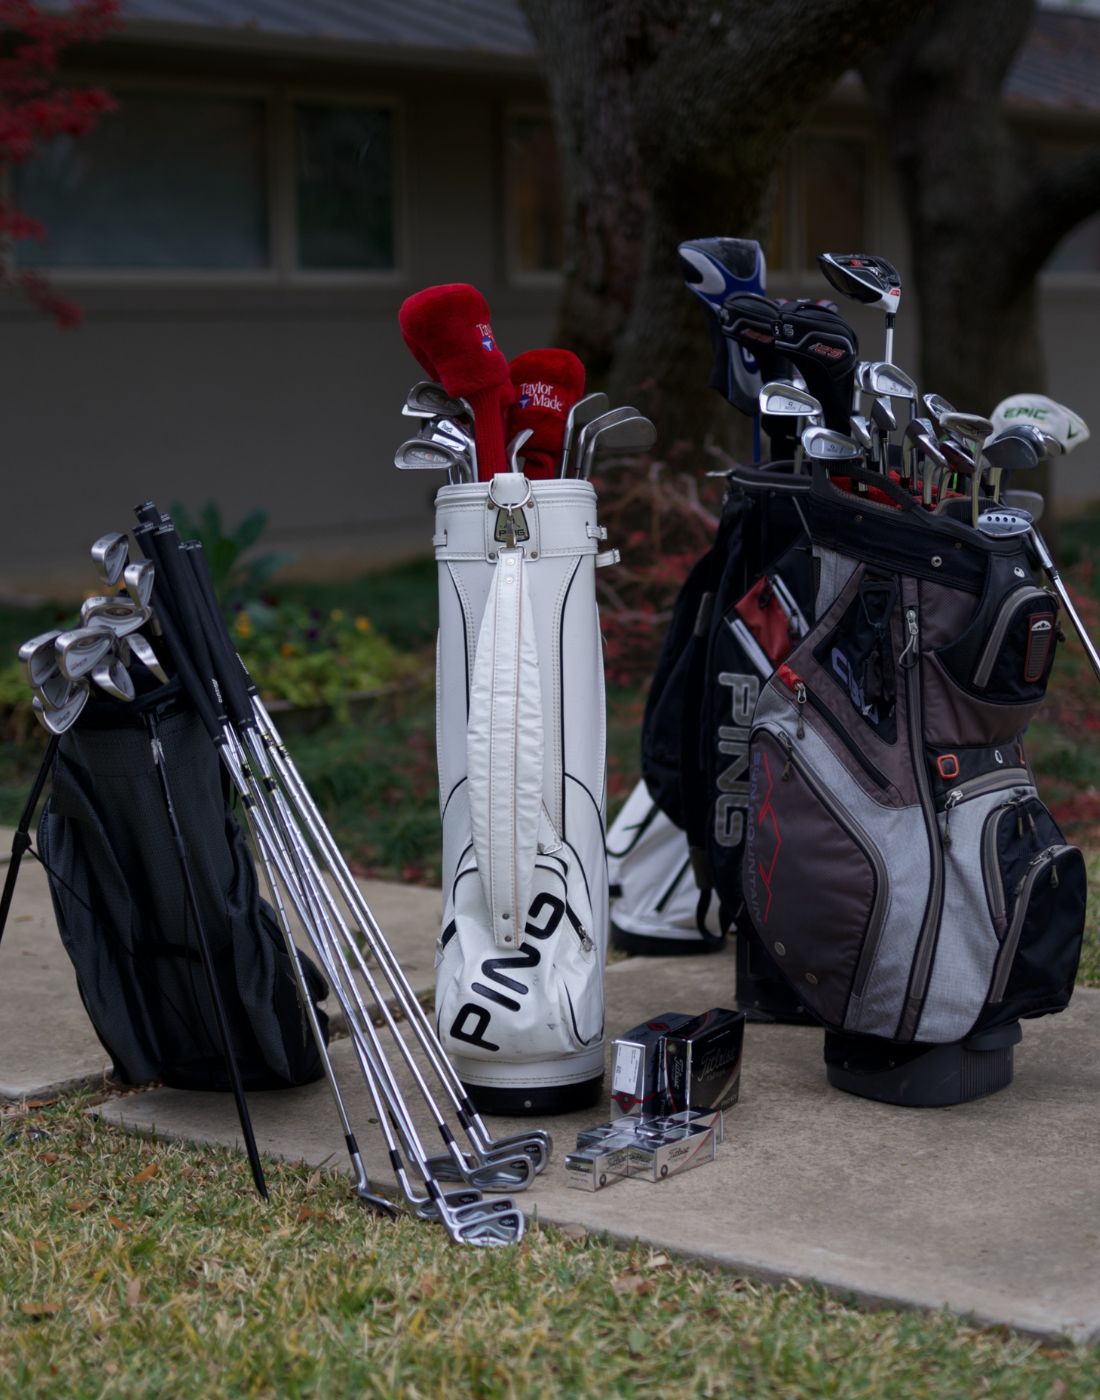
(548, 383)
(447, 329)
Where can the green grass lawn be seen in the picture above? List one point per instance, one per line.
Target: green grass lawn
(134, 1268)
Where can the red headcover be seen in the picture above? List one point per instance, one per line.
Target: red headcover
(448, 330)
(548, 383)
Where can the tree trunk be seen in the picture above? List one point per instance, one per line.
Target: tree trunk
(672, 117)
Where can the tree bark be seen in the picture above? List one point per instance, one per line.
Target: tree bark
(672, 117)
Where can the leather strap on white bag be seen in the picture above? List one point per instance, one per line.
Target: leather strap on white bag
(504, 749)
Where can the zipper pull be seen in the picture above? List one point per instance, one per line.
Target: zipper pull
(913, 643)
(953, 800)
(1054, 881)
(1019, 826)
(800, 701)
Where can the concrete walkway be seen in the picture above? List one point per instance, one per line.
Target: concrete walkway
(990, 1209)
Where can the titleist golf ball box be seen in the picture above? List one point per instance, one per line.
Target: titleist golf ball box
(648, 1148)
(601, 1160)
(701, 1061)
(636, 1068)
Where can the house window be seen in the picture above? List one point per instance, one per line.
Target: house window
(533, 191)
(165, 182)
(345, 186)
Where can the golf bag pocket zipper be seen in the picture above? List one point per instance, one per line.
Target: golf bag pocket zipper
(799, 836)
(1014, 835)
(804, 696)
(1039, 902)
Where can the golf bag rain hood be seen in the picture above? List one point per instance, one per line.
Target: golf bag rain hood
(899, 866)
(520, 722)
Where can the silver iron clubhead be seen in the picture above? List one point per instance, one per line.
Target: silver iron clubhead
(1031, 501)
(970, 427)
(80, 651)
(784, 399)
(416, 455)
(142, 651)
(622, 438)
(515, 447)
(56, 721)
(886, 380)
(999, 521)
(584, 437)
(110, 554)
(112, 676)
(38, 657)
(935, 406)
(426, 399)
(54, 690)
(827, 445)
(582, 412)
(139, 578)
(118, 615)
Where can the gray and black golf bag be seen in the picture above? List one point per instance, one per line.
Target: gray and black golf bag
(900, 868)
(521, 750)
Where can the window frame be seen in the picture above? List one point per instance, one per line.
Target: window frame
(514, 275)
(280, 163)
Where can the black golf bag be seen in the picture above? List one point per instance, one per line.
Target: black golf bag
(119, 897)
(899, 866)
(743, 607)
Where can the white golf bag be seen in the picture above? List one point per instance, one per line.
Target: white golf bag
(520, 733)
(655, 903)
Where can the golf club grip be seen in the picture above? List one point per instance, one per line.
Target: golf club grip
(232, 676)
(174, 583)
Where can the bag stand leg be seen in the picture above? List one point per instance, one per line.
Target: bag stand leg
(21, 841)
(232, 1068)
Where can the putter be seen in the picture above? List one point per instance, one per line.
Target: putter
(109, 555)
(582, 412)
(869, 279)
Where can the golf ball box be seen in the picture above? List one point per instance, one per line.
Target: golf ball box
(701, 1062)
(636, 1069)
(648, 1149)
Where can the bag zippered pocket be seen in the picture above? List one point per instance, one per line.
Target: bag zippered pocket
(799, 836)
(1050, 889)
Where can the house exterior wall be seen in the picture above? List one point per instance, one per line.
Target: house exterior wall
(288, 395)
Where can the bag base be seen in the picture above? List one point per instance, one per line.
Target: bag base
(666, 944)
(922, 1076)
(561, 1085)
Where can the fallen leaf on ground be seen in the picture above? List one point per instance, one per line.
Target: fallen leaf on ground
(40, 1309)
(146, 1173)
(133, 1292)
(78, 1207)
(117, 1223)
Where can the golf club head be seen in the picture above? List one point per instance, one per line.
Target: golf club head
(582, 412)
(109, 555)
(970, 427)
(112, 677)
(624, 438)
(864, 277)
(142, 651)
(56, 721)
(416, 455)
(956, 459)
(54, 690)
(827, 445)
(427, 399)
(139, 578)
(1069, 429)
(1043, 445)
(514, 1173)
(80, 651)
(883, 416)
(887, 380)
(1030, 501)
(933, 450)
(1000, 521)
(782, 399)
(118, 615)
(935, 406)
(1008, 452)
(583, 438)
(861, 431)
(38, 657)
